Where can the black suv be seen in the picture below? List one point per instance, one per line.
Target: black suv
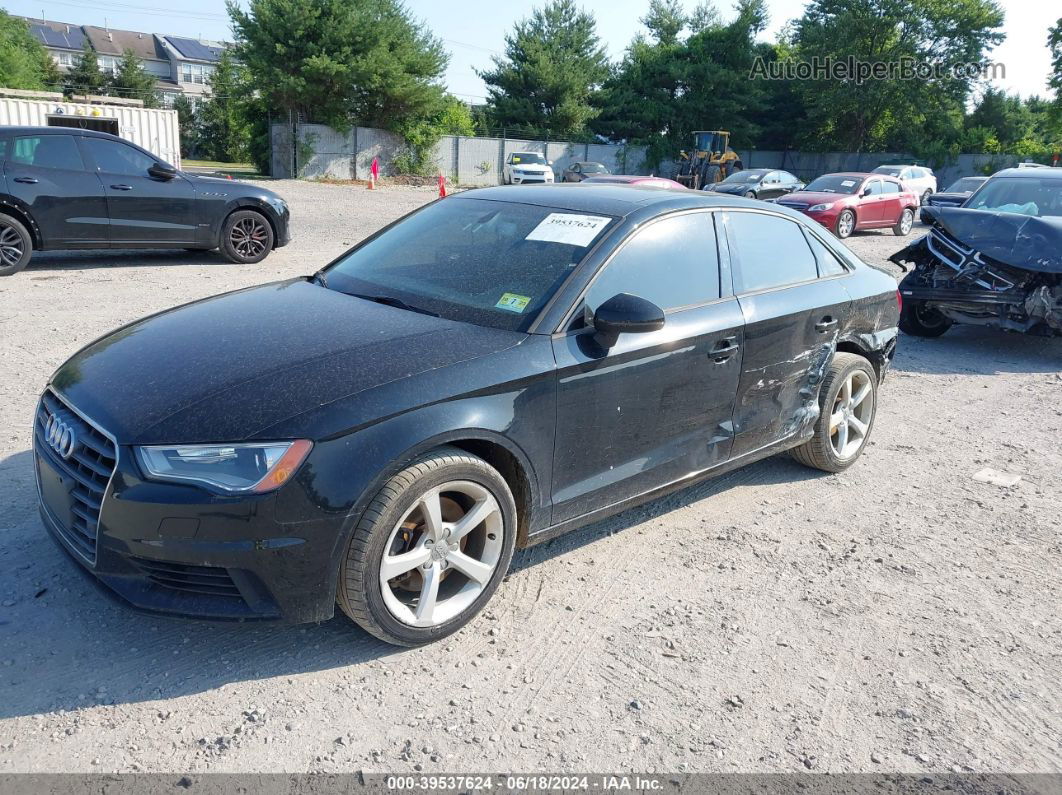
(64, 188)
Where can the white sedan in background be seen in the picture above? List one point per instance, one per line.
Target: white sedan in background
(920, 180)
(523, 168)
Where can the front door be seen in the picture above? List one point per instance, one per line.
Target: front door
(871, 210)
(655, 407)
(142, 208)
(46, 173)
(792, 319)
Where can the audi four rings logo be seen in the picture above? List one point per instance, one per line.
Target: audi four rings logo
(60, 437)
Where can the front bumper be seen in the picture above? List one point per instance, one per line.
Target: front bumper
(181, 551)
(531, 179)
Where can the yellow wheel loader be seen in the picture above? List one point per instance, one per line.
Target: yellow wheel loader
(710, 161)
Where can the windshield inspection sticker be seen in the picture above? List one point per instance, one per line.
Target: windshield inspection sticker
(574, 230)
(847, 183)
(513, 302)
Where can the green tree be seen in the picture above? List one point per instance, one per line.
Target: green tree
(85, 77)
(133, 81)
(422, 134)
(879, 113)
(1054, 80)
(188, 125)
(553, 64)
(224, 130)
(24, 63)
(340, 61)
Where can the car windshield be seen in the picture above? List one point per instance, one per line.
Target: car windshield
(743, 177)
(1040, 197)
(478, 261)
(835, 183)
(529, 158)
(892, 171)
(594, 168)
(964, 185)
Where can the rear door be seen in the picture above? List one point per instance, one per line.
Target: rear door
(141, 208)
(792, 318)
(657, 406)
(47, 175)
(891, 204)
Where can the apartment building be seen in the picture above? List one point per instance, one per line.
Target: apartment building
(179, 65)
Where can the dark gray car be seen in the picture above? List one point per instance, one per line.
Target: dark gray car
(577, 172)
(65, 188)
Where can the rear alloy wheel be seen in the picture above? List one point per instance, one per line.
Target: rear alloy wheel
(925, 197)
(16, 246)
(848, 403)
(920, 319)
(246, 237)
(750, 194)
(845, 224)
(430, 549)
(903, 226)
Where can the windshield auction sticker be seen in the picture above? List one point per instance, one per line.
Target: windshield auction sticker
(513, 302)
(574, 230)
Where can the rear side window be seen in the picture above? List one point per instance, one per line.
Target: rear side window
(47, 151)
(113, 157)
(892, 187)
(829, 265)
(3, 149)
(772, 251)
(673, 262)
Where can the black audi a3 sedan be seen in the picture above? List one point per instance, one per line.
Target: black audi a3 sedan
(496, 368)
(66, 188)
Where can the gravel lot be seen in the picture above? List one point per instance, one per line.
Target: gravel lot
(900, 616)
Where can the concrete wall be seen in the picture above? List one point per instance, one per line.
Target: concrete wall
(314, 151)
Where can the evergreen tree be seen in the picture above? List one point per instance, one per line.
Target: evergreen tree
(553, 65)
(224, 132)
(133, 81)
(188, 125)
(86, 77)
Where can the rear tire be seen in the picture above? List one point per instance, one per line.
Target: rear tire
(903, 226)
(16, 246)
(848, 403)
(398, 524)
(246, 237)
(919, 319)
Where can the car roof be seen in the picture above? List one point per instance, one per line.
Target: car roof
(854, 174)
(28, 130)
(757, 170)
(613, 199)
(1028, 173)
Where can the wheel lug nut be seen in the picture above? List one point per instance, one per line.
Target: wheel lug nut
(427, 566)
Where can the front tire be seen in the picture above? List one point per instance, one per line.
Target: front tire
(430, 550)
(848, 401)
(845, 224)
(920, 319)
(246, 237)
(16, 246)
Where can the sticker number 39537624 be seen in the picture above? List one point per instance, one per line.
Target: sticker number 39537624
(575, 230)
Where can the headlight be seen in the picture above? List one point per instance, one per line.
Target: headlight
(231, 468)
(818, 208)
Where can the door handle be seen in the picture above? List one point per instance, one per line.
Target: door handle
(825, 324)
(27, 180)
(122, 187)
(724, 349)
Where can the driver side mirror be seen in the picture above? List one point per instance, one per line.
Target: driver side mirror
(865, 193)
(162, 171)
(625, 314)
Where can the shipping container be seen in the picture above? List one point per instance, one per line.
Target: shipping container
(153, 129)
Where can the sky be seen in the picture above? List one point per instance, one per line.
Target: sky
(474, 30)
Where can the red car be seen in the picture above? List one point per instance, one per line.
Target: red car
(844, 203)
(627, 179)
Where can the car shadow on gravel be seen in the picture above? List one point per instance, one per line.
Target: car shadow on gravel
(67, 646)
(978, 350)
(45, 261)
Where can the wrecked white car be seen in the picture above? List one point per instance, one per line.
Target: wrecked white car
(995, 261)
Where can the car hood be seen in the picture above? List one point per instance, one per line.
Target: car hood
(949, 197)
(224, 368)
(811, 198)
(1023, 241)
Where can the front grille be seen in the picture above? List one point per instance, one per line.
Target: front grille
(209, 580)
(90, 465)
(795, 205)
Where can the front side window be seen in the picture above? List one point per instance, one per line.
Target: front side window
(672, 262)
(112, 157)
(47, 151)
(486, 262)
(873, 187)
(772, 251)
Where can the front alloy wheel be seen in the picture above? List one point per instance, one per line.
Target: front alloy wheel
(430, 549)
(845, 224)
(246, 237)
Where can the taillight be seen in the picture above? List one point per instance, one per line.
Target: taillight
(899, 301)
